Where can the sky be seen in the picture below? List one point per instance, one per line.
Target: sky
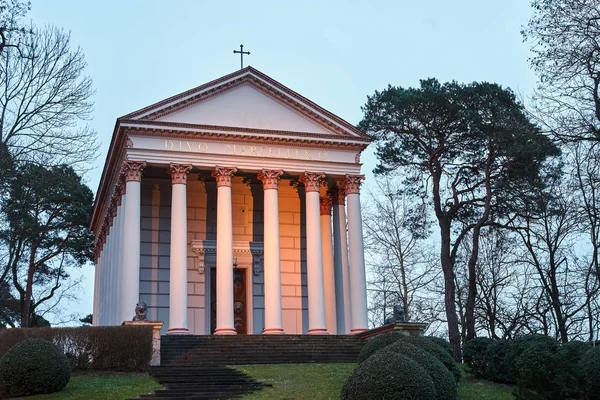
(336, 53)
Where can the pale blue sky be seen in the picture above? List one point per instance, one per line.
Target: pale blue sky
(333, 52)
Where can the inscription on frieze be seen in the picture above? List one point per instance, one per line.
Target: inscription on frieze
(247, 150)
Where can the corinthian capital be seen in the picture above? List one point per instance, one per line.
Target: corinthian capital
(132, 170)
(270, 178)
(351, 183)
(312, 181)
(179, 173)
(223, 175)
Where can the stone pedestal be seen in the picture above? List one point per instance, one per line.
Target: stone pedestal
(156, 327)
(410, 328)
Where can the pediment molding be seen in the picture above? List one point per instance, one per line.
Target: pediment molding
(262, 83)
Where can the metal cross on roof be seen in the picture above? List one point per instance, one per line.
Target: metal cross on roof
(241, 53)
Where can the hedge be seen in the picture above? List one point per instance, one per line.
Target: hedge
(590, 368)
(390, 376)
(102, 348)
(474, 355)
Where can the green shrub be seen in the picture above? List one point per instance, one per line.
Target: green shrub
(590, 368)
(33, 366)
(390, 376)
(445, 386)
(517, 346)
(377, 343)
(570, 377)
(538, 366)
(495, 362)
(474, 356)
(437, 351)
(443, 343)
(93, 348)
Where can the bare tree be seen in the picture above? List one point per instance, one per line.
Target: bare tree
(566, 56)
(401, 268)
(45, 100)
(12, 32)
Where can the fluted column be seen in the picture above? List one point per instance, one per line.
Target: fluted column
(132, 171)
(111, 317)
(328, 272)
(273, 321)
(358, 284)
(124, 313)
(340, 258)
(225, 325)
(117, 265)
(314, 254)
(178, 258)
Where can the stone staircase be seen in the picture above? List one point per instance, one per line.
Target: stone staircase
(259, 349)
(194, 367)
(201, 383)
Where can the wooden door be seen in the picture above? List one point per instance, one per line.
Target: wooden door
(239, 301)
(240, 311)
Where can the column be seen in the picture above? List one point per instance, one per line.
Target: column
(131, 236)
(110, 312)
(97, 261)
(124, 313)
(314, 254)
(119, 312)
(358, 284)
(273, 322)
(178, 277)
(340, 259)
(225, 326)
(328, 273)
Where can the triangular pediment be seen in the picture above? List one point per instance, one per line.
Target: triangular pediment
(246, 107)
(247, 99)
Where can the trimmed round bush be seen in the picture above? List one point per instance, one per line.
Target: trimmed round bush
(443, 343)
(34, 366)
(388, 375)
(517, 346)
(495, 361)
(538, 367)
(445, 386)
(590, 368)
(377, 343)
(437, 351)
(474, 355)
(570, 376)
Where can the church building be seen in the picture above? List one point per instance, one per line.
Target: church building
(232, 208)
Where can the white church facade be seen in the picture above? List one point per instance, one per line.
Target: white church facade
(232, 208)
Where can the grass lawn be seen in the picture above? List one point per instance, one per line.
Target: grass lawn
(474, 389)
(103, 386)
(324, 381)
(299, 381)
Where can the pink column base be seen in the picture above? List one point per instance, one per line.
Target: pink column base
(178, 331)
(273, 331)
(318, 332)
(355, 331)
(225, 331)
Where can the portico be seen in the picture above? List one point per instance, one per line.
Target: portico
(225, 209)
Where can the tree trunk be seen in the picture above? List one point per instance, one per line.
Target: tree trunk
(28, 291)
(449, 290)
(472, 290)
